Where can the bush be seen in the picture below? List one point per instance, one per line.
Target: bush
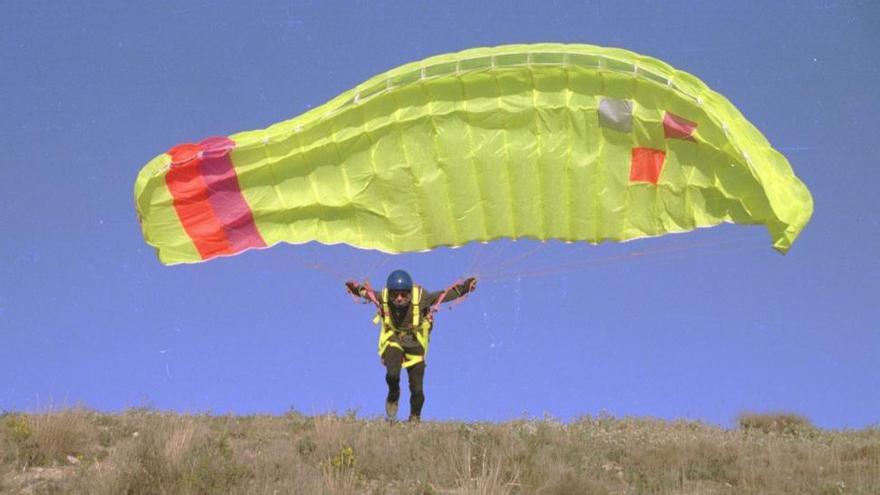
(779, 423)
(46, 438)
(176, 455)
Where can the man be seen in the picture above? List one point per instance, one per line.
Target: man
(405, 312)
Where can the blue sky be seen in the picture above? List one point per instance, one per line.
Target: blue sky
(702, 326)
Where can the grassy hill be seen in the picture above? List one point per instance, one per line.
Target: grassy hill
(149, 452)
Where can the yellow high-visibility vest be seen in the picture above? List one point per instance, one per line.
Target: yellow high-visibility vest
(421, 328)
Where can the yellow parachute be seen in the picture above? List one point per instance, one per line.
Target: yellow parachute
(546, 141)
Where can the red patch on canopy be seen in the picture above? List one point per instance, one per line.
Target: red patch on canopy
(190, 194)
(646, 165)
(208, 198)
(675, 127)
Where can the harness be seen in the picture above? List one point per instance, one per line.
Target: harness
(421, 328)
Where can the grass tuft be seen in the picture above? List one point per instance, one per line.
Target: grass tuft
(778, 423)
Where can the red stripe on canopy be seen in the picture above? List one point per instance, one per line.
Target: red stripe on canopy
(190, 194)
(208, 198)
(225, 194)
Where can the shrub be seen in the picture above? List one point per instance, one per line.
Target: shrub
(41, 439)
(177, 456)
(780, 423)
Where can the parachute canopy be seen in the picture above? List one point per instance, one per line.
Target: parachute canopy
(546, 141)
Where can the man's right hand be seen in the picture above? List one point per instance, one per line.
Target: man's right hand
(352, 287)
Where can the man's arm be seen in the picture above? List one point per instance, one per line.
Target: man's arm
(452, 293)
(355, 289)
(362, 291)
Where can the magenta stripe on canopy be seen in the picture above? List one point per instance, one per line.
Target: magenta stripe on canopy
(224, 194)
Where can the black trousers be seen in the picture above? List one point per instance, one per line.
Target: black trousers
(393, 360)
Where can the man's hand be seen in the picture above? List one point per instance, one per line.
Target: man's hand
(352, 287)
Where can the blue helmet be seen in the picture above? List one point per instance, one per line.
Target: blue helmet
(399, 280)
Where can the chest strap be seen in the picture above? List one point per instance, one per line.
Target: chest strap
(421, 328)
(414, 301)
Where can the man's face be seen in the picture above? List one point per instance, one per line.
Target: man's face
(400, 298)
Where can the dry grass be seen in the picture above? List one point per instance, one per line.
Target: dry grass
(781, 423)
(149, 452)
